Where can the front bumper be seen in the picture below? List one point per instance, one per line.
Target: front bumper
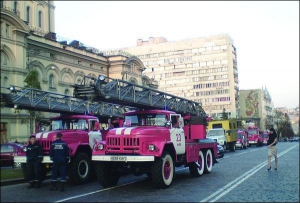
(122, 158)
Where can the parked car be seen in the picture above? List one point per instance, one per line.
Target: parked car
(220, 151)
(8, 150)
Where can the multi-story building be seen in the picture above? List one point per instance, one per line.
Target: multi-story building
(256, 106)
(200, 69)
(29, 42)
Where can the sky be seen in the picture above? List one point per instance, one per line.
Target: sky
(265, 33)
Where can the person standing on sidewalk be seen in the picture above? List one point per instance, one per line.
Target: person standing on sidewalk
(272, 149)
(34, 157)
(59, 154)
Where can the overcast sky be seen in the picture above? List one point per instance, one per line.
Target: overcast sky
(265, 33)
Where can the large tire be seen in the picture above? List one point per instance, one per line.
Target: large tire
(79, 169)
(208, 162)
(232, 147)
(106, 177)
(162, 171)
(197, 170)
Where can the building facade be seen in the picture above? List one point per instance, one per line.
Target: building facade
(200, 69)
(257, 106)
(29, 42)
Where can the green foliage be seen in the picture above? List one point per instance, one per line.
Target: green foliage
(224, 115)
(283, 124)
(8, 174)
(31, 81)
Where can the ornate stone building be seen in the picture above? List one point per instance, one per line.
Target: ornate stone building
(29, 42)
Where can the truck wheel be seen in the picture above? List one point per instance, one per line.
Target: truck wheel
(105, 176)
(232, 147)
(208, 161)
(197, 170)
(24, 171)
(79, 169)
(163, 171)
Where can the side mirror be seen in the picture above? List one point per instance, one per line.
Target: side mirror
(181, 124)
(168, 123)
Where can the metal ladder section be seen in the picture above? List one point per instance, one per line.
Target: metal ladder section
(122, 92)
(39, 100)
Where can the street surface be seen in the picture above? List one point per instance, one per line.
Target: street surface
(240, 176)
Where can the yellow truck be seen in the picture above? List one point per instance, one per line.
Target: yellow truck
(224, 132)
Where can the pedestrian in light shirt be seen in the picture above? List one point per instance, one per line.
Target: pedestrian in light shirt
(272, 149)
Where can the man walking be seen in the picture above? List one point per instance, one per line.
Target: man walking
(34, 157)
(59, 154)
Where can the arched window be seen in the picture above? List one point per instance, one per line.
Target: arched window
(51, 81)
(28, 14)
(67, 92)
(78, 81)
(133, 80)
(40, 19)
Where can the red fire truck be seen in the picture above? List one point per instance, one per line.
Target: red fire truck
(74, 124)
(165, 132)
(255, 136)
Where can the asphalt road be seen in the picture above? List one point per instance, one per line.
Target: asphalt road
(240, 176)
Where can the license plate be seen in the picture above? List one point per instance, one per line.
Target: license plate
(118, 158)
(251, 142)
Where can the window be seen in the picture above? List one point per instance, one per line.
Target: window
(7, 30)
(15, 7)
(28, 14)
(51, 81)
(40, 19)
(67, 92)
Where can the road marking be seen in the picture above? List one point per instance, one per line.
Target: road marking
(240, 154)
(97, 191)
(254, 150)
(230, 186)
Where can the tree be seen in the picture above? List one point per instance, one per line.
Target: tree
(224, 115)
(283, 124)
(285, 128)
(31, 81)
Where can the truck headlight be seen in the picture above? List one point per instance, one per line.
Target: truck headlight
(221, 142)
(100, 147)
(151, 147)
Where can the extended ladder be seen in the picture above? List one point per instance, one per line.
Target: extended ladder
(130, 94)
(39, 100)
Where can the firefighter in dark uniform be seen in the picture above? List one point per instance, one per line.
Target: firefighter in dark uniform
(34, 157)
(59, 154)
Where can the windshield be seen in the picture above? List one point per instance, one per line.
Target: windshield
(240, 136)
(215, 133)
(251, 132)
(145, 120)
(69, 124)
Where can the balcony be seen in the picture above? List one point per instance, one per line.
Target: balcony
(17, 12)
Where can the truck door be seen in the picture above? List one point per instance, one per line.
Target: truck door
(177, 134)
